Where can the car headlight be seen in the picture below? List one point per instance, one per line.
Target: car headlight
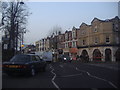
(64, 58)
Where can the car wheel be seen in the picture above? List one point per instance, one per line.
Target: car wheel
(32, 72)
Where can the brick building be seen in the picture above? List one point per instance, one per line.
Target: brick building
(100, 41)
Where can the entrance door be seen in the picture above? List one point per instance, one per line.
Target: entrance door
(97, 55)
(108, 55)
(117, 55)
(85, 56)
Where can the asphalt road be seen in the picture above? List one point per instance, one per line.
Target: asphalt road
(67, 75)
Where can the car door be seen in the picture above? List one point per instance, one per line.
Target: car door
(40, 62)
(35, 62)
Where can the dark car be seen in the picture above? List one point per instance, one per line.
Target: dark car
(66, 58)
(24, 64)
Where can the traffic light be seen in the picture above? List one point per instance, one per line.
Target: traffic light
(22, 45)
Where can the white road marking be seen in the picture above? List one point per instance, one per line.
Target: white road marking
(61, 66)
(54, 78)
(97, 77)
(112, 84)
(72, 75)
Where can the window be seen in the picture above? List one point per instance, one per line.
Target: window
(96, 40)
(37, 58)
(34, 58)
(59, 38)
(83, 32)
(83, 42)
(21, 58)
(116, 27)
(95, 29)
(73, 44)
(66, 36)
(66, 45)
(117, 40)
(73, 34)
(107, 39)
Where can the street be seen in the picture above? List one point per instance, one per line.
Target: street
(67, 75)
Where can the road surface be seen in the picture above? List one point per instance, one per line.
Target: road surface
(67, 75)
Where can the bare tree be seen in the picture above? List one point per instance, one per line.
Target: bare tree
(55, 31)
(14, 19)
(53, 34)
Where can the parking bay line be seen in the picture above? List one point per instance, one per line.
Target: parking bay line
(97, 77)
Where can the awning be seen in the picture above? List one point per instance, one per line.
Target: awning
(73, 50)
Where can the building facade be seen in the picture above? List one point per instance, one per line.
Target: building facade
(74, 43)
(43, 45)
(100, 41)
(67, 42)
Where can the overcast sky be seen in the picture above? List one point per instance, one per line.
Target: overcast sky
(46, 15)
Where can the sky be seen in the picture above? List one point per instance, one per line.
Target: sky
(46, 15)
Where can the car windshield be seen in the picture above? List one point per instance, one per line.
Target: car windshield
(20, 58)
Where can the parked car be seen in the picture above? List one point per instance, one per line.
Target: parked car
(24, 64)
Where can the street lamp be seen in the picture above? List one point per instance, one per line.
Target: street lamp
(3, 6)
(21, 2)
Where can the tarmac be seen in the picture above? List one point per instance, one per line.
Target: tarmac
(109, 65)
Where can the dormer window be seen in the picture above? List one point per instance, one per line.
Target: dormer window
(73, 34)
(116, 27)
(83, 32)
(66, 36)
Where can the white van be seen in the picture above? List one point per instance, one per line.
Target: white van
(47, 56)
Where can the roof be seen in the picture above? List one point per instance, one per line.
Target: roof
(96, 19)
(107, 20)
(83, 24)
